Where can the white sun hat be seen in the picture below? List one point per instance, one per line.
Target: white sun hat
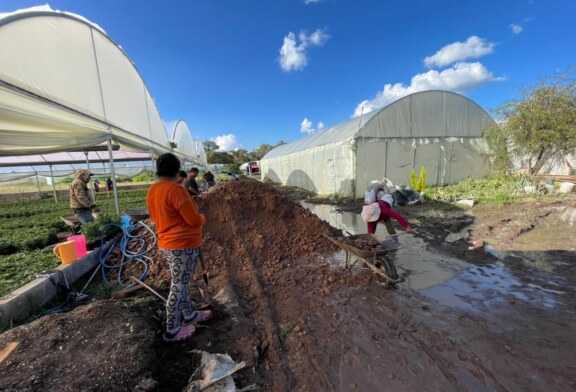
(370, 212)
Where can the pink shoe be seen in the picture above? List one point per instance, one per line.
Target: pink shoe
(200, 316)
(183, 333)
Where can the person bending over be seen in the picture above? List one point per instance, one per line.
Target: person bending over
(372, 215)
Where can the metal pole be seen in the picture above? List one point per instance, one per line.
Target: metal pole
(113, 173)
(106, 183)
(53, 185)
(38, 184)
(92, 186)
(154, 166)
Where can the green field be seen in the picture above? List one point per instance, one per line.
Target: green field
(28, 227)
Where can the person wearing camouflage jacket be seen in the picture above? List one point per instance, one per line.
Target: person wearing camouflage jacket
(80, 200)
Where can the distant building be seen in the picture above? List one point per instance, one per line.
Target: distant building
(252, 167)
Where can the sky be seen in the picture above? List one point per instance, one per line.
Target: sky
(247, 72)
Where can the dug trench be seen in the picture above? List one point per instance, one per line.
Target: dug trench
(298, 319)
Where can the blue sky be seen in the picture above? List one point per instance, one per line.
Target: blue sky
(247, 72)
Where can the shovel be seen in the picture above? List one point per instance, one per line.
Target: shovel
(205, 291)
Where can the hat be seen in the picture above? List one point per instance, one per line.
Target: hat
(84, 172)
(370, 212)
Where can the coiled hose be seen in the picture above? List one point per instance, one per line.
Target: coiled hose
(130, 235)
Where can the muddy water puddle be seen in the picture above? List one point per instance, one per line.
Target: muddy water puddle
(557, 231)
(453, 282)
(419, 267)
(477, 288)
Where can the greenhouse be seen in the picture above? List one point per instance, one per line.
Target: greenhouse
(71, 98)
(438, 130)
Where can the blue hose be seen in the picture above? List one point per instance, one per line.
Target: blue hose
(128, 257)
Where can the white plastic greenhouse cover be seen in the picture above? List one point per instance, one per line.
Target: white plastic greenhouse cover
(127, 164)
(437, 130)
(65, 85)
(427, 114)
(68, 171)
(59, 158)
(186, 145)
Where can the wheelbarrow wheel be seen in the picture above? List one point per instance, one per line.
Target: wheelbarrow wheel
(389, 267)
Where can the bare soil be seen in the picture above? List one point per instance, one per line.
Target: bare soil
(303, 323)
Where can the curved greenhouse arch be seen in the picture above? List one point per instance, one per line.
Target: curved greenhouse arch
(65, 84)
(186, 146)
(438, 130)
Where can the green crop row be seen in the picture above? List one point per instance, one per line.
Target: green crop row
(20, 268)
(34, 224)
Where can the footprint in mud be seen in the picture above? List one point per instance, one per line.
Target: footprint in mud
(464, 356)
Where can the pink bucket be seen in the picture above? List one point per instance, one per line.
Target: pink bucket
(80, 241)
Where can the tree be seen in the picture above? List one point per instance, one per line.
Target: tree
(209, 145)
(542, 124)
(241, 156)
(501, 163)
(219, 157)
(264, 149)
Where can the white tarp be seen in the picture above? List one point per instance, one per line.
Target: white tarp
(436, 129)
(64, 85)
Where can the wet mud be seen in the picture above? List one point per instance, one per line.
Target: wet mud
(470, 316)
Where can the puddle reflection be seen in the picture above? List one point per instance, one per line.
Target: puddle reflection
(479, 287)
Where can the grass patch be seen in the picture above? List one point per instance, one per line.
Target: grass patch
(496, 190)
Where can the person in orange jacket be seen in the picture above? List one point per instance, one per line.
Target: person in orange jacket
(179, 230)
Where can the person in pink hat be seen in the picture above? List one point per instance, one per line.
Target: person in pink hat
(381, 211)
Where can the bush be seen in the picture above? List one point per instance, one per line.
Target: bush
(497, 190)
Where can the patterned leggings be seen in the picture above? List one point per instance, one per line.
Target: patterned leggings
(182, 262)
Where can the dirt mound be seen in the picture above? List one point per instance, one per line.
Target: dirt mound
(250, 220)
(97, 347)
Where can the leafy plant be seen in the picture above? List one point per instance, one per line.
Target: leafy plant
(22, 267)
(96, 230)
(413, 181)
(422, 180)
(487, 190)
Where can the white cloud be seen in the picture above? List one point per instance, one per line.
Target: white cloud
(311, 1)
(516, 29)
(306, 126)
(474, 47)
(459, 78)
(227, 142)
(293, 53)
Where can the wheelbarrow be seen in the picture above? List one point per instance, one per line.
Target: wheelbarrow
(379, 259)
(73, 222)
(137, 214)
